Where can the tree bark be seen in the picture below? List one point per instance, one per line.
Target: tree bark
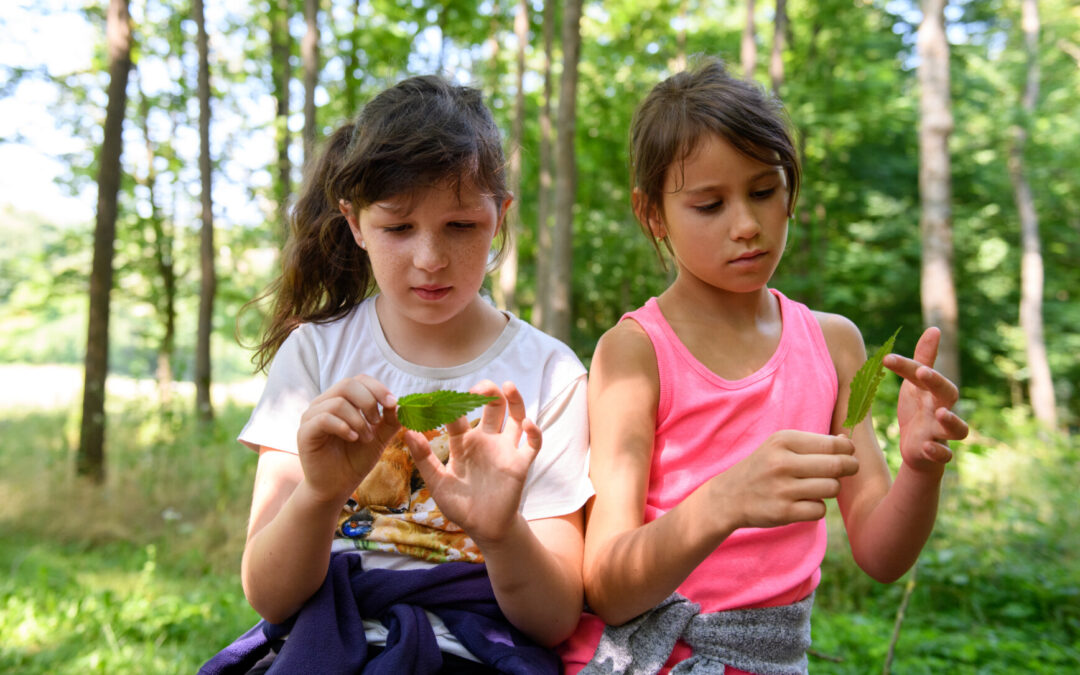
(164, 260)
(508, 275)
(938, 291)
(309, 53)
(776, 58)
(1040, 380)
(566, 177)
(208, 283)
(749, 43)
(281, 67)
(542, 304)
(90, 460)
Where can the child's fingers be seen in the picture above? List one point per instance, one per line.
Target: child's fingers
(824, 466)
(533, 437)
(491, 419)
(328, 416)
(953, 428)
(514, 402)
(323, 424)
(807, 443)
(427, 463)
(937, 452)
(924, 377)
(927, 347)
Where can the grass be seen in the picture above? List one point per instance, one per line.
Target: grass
(141, 574)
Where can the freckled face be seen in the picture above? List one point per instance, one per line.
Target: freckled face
(429, 255)
(725, 215)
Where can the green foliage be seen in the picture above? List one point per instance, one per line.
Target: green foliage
(427, 411)
(141, 575)
(865, 384)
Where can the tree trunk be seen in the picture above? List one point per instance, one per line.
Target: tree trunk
(280, 52)
(542, 304)
(1040, 383)
(309, 53)
(566, 178)
(749, 43)
(352, 63)
(163, 260)
(938, 291)
(509, 273)
(776, 58)
(203, 405)
(90, 460)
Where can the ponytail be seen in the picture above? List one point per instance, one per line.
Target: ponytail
(324, 273)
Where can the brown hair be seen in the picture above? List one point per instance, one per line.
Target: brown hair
(705, 100)
(421, 133)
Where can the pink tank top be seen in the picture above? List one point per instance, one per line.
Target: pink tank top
(704, 425)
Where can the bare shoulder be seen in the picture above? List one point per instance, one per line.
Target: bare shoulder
(624, 351)
(844, 340)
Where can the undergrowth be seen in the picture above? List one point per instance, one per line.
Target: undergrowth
(141, 574)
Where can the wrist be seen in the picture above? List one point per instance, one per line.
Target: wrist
(314, 501)
(510, 539)
(926, 472)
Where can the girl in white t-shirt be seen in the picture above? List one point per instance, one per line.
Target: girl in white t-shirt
(408, 199)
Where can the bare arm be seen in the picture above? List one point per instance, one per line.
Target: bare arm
(630, 566)
(297, 498)
(888, 523)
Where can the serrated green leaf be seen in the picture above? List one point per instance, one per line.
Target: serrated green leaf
(427, 411)
(865, 383)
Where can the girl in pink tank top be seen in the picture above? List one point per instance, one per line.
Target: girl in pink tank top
(716, 414)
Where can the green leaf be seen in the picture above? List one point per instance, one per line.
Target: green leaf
(423, 412)
(865, 383)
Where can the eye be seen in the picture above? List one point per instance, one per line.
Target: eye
(396, 229)
(710, 207)
(461, 225)
(763, 194)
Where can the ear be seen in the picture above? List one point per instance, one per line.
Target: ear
(354, 224)
(504, 208)
(651, 220)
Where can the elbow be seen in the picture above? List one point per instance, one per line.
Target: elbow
(883, 571)
(263, 603)
(609, 612)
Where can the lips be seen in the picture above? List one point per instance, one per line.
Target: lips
(749, 257)
(431, 292)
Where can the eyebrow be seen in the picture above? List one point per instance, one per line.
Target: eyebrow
(403, 210)
(757, 176)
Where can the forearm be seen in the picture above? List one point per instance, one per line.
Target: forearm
(538, 591)
(285, 562)
(888, 543)
(635, 569)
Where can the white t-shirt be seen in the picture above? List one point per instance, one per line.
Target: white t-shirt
(550, 377)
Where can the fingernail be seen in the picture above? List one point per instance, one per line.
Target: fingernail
(391, 400)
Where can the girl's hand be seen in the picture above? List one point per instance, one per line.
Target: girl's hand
(480, 486)
(342, 435)
(787, 479)
(923, 410)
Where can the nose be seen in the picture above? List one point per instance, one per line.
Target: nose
(431, 253)
(745, 222)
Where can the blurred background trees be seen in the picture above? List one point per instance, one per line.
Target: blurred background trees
(219, 111)
(563, 82)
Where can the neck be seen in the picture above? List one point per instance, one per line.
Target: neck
(454, 342)
(701, 303)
